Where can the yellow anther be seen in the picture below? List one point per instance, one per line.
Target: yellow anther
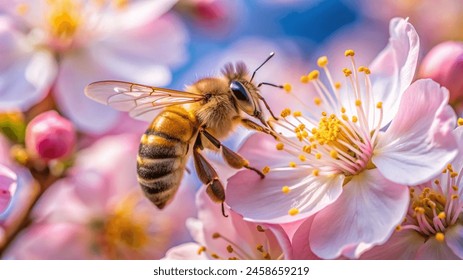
(285, 113)
(455, 196)
(437, 182)
(317, 101)
(280, 146)
(345, 117)
(343, 110)
(260, 228)
(349, 53)
(304, 79)
(297, 114)
(450, 167)
(292, 164)
(285, 189)
(337, 85)
(232, 258)
(230, 249)
(358, 102)
(398, 228)
(455, 188)
(379, 105)
(322, 61)
(293, 211)
(324, 114)
(460, 121)
(260, 247)
(201, 250)
(441, 215)
(453, 174)
(419, 210)
(307, 149)
(318, 156)
(216, 235)
(361, 68)
(266, 256)
(367, 70)
(334, 154)
(313, 75)
(287, 87)
(354, 119)
(440, 237)
(347, 72)
(302, 158)
(22, 9)
(315, 172)
(120, 4)
(215, 256)
(266, 170)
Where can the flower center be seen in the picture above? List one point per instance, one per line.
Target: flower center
(342, 139)
(63, 18)
(260, 251)
(436, 206)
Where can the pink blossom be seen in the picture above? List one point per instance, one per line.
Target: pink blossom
(50, 136)
(433, 226)
(444, 64)
(7, 187)
(99, 211)
(21, 190)
(349, 159)
(64, 45)
(219, 237)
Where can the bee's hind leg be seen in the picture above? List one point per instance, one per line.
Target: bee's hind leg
(208, 176)
(233, 159)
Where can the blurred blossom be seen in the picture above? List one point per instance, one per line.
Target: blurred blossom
(219, 237)
(50, 136)
(63, 45)
(444, 64)
(7, 187)
(435, 21)
(22, 192)
(352, 151)
(99, 211)
(13, 126)
(433, 227)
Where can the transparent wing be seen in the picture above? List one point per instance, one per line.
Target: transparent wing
(140, 101)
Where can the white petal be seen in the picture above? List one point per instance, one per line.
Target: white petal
(394, 68)
(419, 142)
(262, 200)
(435, 250)
(402, 245)
(186, 251)
(366, 214)
(454, 239)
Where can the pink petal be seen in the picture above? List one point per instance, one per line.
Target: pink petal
(25, 76)
(300, 242)
(142, 49)
(454, 239)
(7, 187)
(255, 198)
(77, 70)
(435, 250)
(394, 68)
(403, 245)
(259, 149)
(69, 241)
(366, 214)
(135, 14)
(419, 142)
(187, 251)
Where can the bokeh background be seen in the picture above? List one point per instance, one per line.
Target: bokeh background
(84, 203)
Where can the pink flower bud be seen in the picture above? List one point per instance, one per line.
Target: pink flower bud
(50, 136)
(7, 187)
(444, 64)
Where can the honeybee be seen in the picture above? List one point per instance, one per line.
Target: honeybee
(189, 122)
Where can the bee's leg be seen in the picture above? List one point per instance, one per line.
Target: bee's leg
(233, 159)
(254, 126)
(208, 176)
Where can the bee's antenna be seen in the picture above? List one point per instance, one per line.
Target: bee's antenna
(268, 58)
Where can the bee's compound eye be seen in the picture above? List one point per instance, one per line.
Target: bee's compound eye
(239, 91)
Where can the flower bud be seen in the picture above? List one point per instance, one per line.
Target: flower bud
(50, 136)
(7, 187)
(444, 64)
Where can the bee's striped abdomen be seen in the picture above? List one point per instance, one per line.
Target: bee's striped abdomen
(162, 154)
